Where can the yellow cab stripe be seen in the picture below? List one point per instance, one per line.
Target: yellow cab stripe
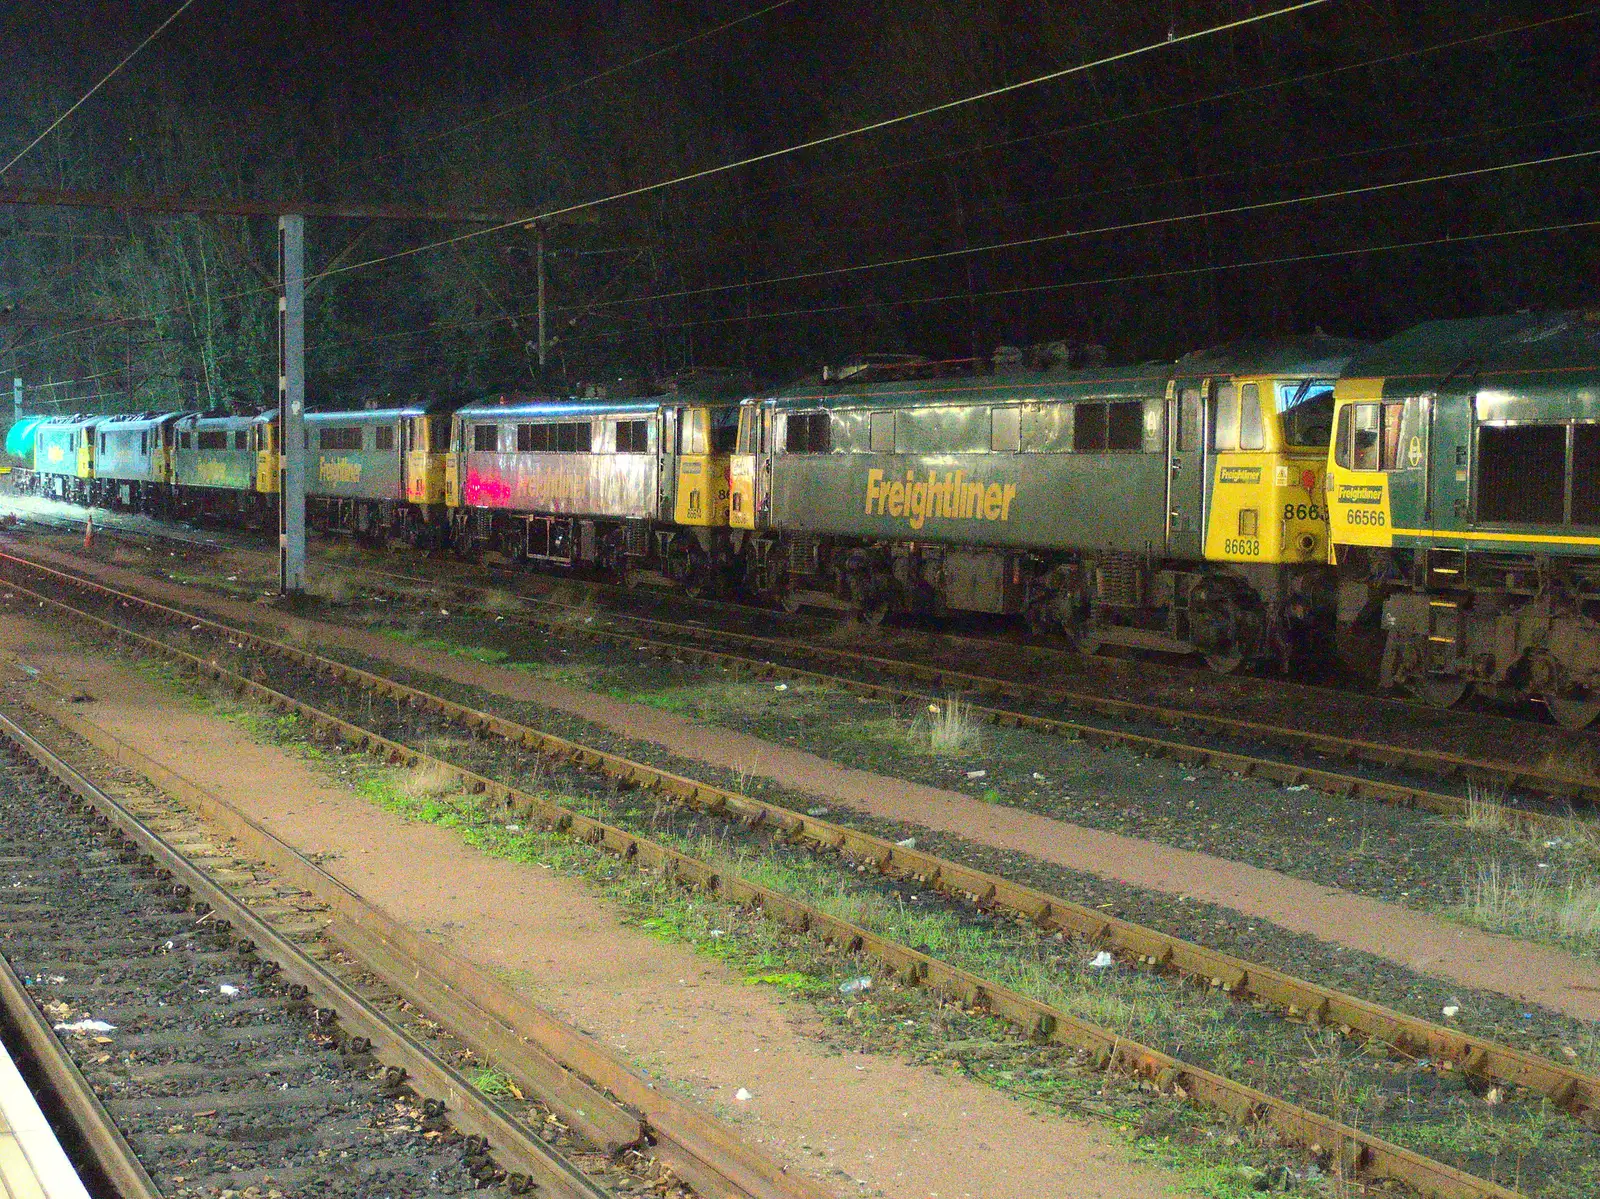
(1541, 538)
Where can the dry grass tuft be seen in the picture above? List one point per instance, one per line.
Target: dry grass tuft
(331, 587)
(1486, 810)
(953, 729)
(498, 599)
(1510, 900)
(428, 781)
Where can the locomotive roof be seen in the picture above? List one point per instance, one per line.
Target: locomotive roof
(1011, 384)
(228, 420)
(1524, 343)
(1312, 356)
(544, 408)
(1317, 355)
(78, 420)
(359, 415)
(134, 421)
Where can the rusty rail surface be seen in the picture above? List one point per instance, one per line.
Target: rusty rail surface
(1349, 1150)
(1450, 766)
(589, 1086)
(1568, 1088)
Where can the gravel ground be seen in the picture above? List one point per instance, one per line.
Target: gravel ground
(1442, 1114)
(1376, 849)
(215, 1073)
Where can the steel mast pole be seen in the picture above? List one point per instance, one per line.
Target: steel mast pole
(291, 406)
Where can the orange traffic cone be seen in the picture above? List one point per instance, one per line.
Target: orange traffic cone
(88, 532)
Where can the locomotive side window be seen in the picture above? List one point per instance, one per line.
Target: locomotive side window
(485, 438)
(144, 443)
(808, 433)
(185, 440)
(882, 433)
(1089, 429)
(213, 439)
(342, 437)
(533, 439)
(747, 430)
(241, 439)
(383, 437)
(102, 443)
(1005, 430)
(1368, 437)
(633, 436)
(1364, 450)
(1250, 417)
(1124, 426)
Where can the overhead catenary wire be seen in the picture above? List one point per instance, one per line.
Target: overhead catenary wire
(1141, 276)
(1074, 284)
(767, 156)
(1120, 227)
(104, 79)
(855, 175)
(841, 135)
(552, 93)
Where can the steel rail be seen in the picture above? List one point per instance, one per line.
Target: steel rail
(513, 1144)
(525, 1040)
(108, 1150)
(1444, 765)
(1348, 1150)
(1570, 1089)
(1554, 784)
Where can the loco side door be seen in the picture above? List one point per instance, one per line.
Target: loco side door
(1188, 406)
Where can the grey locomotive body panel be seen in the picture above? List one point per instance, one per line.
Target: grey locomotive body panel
(356, 455)
(1069, 463)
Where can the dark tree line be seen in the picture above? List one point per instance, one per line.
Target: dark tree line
(365, 103)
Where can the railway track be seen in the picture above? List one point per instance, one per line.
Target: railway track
(1018, 702)
(1383, 1031)
(265, 1024)
(857, 672)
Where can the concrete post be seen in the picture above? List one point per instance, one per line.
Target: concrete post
(291, 406)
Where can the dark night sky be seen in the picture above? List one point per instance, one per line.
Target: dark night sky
(339, 102)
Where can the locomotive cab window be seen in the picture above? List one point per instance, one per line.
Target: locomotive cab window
(1305, 407)
(185, 440)
(1250, 437)
(383, 437)
(1368, 437)
(1225, 418)
(144, 443)
(241, 439)
(486, 438)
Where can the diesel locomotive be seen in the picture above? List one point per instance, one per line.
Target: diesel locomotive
(1463, 489)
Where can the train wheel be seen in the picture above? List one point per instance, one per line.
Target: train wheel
(1440, 691)
(1224, 663)
(1573, 714)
